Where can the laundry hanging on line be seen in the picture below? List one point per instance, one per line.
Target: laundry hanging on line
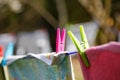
(104, 62)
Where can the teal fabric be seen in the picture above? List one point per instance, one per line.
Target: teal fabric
(35, 69)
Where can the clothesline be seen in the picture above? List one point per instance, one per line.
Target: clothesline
(45, 57)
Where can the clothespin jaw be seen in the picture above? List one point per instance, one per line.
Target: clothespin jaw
(81, 48)
(1, 53)
(8, 52)
(60, 40)
(83, 37)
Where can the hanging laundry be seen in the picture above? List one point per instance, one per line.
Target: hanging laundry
(104, 62)
(8, 52)
(56, 66)
(32, 68)
(1, 69)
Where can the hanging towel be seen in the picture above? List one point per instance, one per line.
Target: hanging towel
(32, 68)
(104, 62)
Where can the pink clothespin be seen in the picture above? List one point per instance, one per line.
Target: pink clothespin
(60, 40)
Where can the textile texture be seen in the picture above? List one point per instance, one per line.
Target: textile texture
(104, 62)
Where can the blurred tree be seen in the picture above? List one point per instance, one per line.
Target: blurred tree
(26, 15)
(100, 11)
(19, 13)
(116, 13)
(62, 12)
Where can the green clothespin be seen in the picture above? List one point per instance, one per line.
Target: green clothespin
(81, 47)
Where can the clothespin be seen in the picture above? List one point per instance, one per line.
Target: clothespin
(8, 52)
(60, 46)
(60, 40)
(1, 53)
(2, 77)
(4, 68)
(81, 47)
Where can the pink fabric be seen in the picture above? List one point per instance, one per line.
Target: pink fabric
(104, 62)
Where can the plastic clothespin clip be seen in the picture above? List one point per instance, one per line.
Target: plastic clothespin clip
(8, 52)
(81, 47)
(60, 40)
(60, 46)
(1, 53)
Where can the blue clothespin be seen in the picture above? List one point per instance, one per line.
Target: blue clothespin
(81, 47)
(8, 52)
